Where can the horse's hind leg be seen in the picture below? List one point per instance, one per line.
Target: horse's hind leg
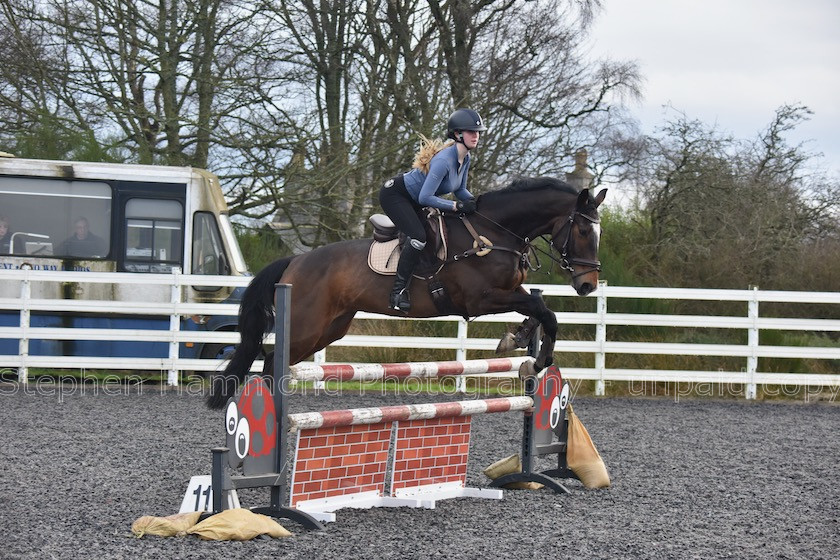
(314, 339)
(336, 330)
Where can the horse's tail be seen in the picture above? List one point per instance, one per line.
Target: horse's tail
(256, 317)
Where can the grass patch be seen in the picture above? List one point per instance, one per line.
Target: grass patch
(496, 386)
(124, 376)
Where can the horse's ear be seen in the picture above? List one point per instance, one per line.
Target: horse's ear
(599, 198)
(583, 199)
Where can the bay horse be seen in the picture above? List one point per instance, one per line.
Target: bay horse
(333, 282)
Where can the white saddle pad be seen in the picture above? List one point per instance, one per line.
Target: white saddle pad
(383, 257)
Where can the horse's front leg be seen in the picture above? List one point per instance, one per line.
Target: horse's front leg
(521, 338)
(502, 301)
(548, 320)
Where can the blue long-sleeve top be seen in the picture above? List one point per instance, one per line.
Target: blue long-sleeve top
(444, 177)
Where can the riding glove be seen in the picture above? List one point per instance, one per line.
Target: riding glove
(466, 206)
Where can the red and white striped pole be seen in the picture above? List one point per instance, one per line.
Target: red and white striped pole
(375, 415)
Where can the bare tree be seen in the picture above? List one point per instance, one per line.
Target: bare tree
(152, 80)
(406, 64)
(728, 213)
(544, 98)
(304, 108)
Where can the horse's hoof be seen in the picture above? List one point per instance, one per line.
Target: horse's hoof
(506, 344)
(525, 332)
(539, 366)
(527, 369)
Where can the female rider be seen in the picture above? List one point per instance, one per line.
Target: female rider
(437, 170)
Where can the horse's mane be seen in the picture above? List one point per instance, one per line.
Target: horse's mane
(527, 184)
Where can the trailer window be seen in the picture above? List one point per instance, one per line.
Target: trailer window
(153, 232)
(62, 218)
(208, 254)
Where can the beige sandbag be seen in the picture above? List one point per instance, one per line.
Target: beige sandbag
(510, 465)
(170, 526)
(582, 457)
(238, 525)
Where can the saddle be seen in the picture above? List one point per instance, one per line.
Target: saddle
(384, 253)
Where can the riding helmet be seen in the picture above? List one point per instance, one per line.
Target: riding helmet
(464, 119)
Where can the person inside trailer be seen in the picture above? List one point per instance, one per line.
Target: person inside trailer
(6, 235)
(83, 243)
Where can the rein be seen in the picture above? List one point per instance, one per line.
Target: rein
(565, 262)
(484, 246)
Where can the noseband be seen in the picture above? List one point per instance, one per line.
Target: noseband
(569, 263)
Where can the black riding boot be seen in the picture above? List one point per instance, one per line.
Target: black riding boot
(399, 299)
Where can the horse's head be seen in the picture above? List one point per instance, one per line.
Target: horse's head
(577, 240)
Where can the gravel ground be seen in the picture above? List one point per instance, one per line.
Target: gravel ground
(691, 479)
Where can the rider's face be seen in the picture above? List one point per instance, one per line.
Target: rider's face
(470, 138)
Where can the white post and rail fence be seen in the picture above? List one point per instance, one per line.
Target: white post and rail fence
(819, 342)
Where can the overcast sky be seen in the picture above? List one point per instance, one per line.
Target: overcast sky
(732, 62)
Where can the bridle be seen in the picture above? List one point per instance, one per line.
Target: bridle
(565, 261)
(568, 263)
